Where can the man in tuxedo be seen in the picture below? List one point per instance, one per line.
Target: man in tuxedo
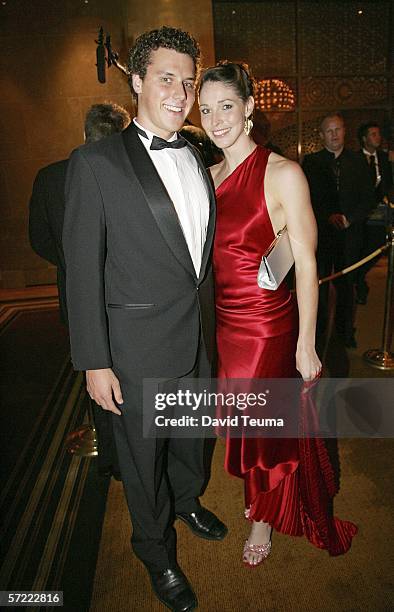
(342, 196)
(46, 217)
(138, 234)
(377, 165)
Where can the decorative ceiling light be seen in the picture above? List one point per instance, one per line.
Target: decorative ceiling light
(274, 94)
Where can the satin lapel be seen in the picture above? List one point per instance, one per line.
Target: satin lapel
(212, 212)
(157, 197)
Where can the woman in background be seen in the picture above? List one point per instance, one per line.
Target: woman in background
(260, 333)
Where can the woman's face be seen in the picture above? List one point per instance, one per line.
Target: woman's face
(223, 113)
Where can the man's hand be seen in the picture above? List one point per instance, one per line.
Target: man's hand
(339, 221)
(103, 386)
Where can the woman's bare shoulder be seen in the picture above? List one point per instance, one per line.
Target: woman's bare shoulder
(281, 168)
(279, 162)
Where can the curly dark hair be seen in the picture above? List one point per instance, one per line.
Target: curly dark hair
(169, 38)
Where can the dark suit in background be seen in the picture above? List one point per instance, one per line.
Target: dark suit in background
(386, 182)
(46, 222)
(137, 306)
(338, 186)
(374, 226)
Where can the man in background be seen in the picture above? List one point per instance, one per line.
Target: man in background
(377, 166)
(47, 205)
(342, 196)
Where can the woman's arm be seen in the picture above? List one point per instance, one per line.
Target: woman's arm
(292, 193)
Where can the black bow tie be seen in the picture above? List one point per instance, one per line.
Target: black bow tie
(159, 143)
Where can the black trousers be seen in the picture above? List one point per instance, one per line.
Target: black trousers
(347, 250)
(374, 236)
(107, 457)
(160, 476)
(340, 249)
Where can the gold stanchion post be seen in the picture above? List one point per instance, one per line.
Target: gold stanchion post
(83, 441)
(383, 358)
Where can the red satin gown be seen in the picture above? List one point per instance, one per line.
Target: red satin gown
(289, 483)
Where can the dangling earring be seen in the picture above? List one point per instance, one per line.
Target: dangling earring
(248, 126)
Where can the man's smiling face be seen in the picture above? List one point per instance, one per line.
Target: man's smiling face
(167, 92)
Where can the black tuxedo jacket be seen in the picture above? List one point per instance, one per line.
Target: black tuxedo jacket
(134, 301)
(386, 184)
(46, 222)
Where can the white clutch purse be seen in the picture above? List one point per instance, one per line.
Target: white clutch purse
(276, 261)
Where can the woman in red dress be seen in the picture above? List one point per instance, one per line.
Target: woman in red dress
(261, 333)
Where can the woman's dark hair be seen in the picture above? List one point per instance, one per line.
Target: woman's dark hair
(236, 75)
(169, 38)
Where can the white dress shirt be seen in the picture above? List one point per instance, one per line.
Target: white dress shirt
(182, 178)
(375, 156)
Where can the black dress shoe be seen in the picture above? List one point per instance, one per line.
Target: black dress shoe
(172, 588)
(204, 524)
